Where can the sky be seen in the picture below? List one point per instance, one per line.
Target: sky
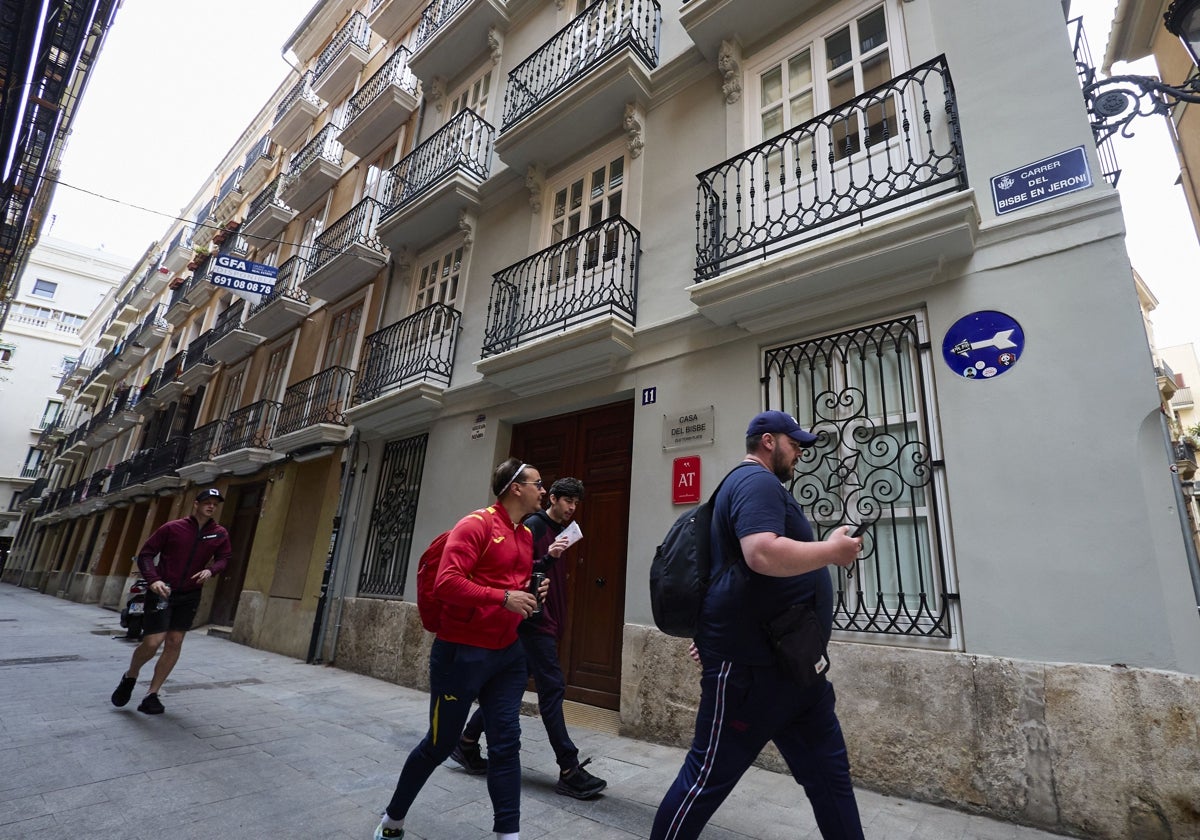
(175, 85)
(177, 82)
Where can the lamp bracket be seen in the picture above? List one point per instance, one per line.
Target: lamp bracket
(1113, 103)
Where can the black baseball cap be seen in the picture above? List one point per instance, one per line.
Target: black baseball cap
(780, 423)
(210, 493)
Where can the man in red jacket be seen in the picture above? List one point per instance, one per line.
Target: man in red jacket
(190, 551)
(482, 584)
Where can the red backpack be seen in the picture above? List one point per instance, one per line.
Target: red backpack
(428, 606)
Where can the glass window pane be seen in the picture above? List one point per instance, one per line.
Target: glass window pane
(577, 195)
(772, 86)
(801, 108)
(837, 49)
(772, 122)
(614, 205)
(872, 31)
(841, 88)
(597, 182)
(876, 71)
(616, 173)
(560, 203)
(799, 71)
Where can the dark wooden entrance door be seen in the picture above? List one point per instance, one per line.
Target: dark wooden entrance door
(248, 503)
(595, 446)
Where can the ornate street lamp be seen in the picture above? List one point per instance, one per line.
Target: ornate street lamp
(1115, 101)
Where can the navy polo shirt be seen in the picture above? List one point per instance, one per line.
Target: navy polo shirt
(739, 600)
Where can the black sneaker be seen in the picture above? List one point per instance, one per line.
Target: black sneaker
(151, 705)
(580, 784)
(469, 757)
(124, 691)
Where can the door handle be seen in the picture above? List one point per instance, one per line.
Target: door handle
(601, 581)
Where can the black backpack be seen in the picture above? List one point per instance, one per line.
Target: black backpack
(681, 570)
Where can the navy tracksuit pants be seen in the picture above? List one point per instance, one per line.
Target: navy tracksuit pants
(742, 708)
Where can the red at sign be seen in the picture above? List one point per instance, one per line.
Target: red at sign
(685, 481)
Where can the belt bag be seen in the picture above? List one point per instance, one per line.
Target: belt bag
(799, 644)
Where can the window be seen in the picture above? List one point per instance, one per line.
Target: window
(390, 530)
(50, 414)
(343, 337)
(437, 280)
(877, 462)
(33, 459)
(273, 378)
(71, 323)
(231, 399)
(846, 61)
(6, 354)
(375, 180)
(44, 289)
(583, 201)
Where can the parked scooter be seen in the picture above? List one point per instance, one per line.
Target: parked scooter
(134, 609)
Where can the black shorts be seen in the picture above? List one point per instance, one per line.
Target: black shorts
(179, 613)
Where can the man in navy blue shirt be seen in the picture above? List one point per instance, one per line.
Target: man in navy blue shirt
(765, 560)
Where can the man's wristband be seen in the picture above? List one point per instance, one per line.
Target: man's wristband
(504, 603)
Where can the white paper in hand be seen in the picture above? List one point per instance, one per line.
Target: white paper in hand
(572, 533)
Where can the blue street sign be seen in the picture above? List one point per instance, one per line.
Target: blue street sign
(983, 345)
(1048, 178)
(243, 275)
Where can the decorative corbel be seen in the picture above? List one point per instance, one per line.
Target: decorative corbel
(632, 124)
(403, 258)
(729, 62)
(437, 92)
(495, 43)
(535, 182)
(466, 223)
(560, 4)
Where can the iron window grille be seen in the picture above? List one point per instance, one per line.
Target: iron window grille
(867, 394)
(389, 539)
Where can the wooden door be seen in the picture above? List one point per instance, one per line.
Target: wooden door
(595, 446)
(248, 503)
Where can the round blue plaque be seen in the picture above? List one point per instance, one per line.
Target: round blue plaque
(983, 345)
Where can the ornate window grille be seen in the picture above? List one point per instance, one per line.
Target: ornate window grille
(867, 394)
(389, 540)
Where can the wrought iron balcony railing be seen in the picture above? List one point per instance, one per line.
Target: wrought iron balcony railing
(433, 16)
(30, 471)
(202, 443)
(171, 368)
(356, 31)
(589, 275)
(323, 398)
(268, 196)
(259, 151)
(156, 317)
(463, 143)
(197, 352)
(227, 321)
(393, 72)
(419, 348)
(119, 479)
(287, 285)
(895, 146)
(250, 427)
(205, 216)
(33, 491)
(151, 384)
(598, 32)
(356, 227)
(324, 146)
(183, 239)
(229, 185)
(95, 485)
(167, 458)
(301, 90)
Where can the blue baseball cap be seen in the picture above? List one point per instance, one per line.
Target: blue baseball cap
(780, 423)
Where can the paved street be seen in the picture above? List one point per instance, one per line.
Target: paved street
(255, 745)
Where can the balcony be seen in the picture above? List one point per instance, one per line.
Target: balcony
(867, 199)
(206, 225)
(256, 168)
(452, 34)
(387, 16)
(565, 315)
(197, 464)
(267, 214)
(708, 22)
(32, 495)
(124, 415)
(296, 113)
(1167, 383)
(245, 446)
(405, 370)
(200, 288)
(342, 60)
(228, 342)
(576, 87)
(437, 181)
(1182, 399)
(383, 104)
(150, 332)
(151, 284)
(347, 255)
(314, 170)
(103, 426)
(229, 196)
(179, 252)
(1185, 459)
(198, 367)
(179, 307)
(285, 308)
(168, 389)
(313, 413)
(143, 402)
(159, 470)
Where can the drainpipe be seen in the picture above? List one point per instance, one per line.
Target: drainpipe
(1189, 542)
(336, 576)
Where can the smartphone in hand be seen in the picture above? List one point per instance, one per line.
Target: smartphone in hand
(858, 530)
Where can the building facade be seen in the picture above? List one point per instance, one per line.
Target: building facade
(61, 286)
(600, 236)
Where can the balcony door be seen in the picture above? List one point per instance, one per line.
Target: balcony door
(595, 446)
(247, 504)
(579, 202)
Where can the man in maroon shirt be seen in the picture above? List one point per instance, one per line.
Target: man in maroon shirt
(190, 551)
